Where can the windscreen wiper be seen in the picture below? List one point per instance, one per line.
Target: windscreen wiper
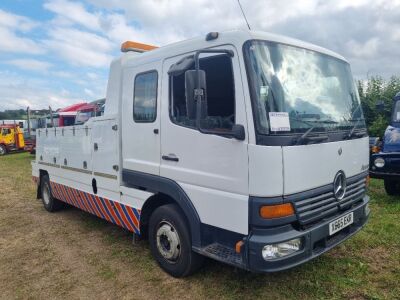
(318, 138)
(353, 129)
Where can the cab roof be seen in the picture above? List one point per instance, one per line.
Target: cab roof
(234, 37)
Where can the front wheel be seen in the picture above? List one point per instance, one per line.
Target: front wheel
(392, 187)
(170, 242)
(3, 150)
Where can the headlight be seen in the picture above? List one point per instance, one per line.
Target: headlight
(274, 251)
(379, 162)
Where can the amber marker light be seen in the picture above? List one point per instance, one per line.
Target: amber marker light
(276, 211)
(136, 47)
(375, 149)
(238, 246)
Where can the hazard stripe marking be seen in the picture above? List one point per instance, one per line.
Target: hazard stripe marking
(112, 211)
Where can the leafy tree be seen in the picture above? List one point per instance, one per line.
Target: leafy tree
(373, 90)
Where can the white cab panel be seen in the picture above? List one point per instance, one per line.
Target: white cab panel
(311, 166)
(265, 171)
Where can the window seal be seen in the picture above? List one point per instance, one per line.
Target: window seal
(133, 98)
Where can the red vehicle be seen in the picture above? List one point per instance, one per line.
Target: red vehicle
(89, 110)
(66, 116)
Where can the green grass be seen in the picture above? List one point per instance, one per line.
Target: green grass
(71, 254)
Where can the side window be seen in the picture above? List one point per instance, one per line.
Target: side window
(145, 97)
(220, 95)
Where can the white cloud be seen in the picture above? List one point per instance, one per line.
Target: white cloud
(366, 50)
(19, 92)
(19, 23)
(11, 27)
(80, 48)
(87, 34)
(75, 12)
(30, 64)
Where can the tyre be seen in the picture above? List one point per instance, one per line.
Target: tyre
(170, 242)
(3, 150)
(392, 187)
(49, 202)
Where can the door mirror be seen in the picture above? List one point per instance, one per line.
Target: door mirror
(380, 105)
(195, 92)
(238, 132)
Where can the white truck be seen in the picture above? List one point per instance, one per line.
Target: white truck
(245, 147)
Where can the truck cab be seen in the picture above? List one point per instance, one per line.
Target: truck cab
(246, 147)
(11, 138)
(385, 163)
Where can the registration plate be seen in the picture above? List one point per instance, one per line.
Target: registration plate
(340, 223)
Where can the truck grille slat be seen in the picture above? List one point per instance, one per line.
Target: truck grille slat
(315, 205)
(314, 199)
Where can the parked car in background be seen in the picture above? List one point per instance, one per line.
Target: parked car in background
(385, 156)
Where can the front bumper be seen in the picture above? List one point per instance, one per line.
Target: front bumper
(384, 175)
(316, 240)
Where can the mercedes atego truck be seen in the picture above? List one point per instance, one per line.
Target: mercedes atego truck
(245, 147)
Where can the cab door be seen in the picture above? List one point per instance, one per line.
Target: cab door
(141, 119)
(212, 169)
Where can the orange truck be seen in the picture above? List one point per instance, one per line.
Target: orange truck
(11, 138)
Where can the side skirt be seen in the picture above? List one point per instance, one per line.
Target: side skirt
(112, 211)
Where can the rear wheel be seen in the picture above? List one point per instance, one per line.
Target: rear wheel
(392, 187)
(49, 202)
(170, 242)
(3, 150)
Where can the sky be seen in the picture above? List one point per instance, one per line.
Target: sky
(57, 52)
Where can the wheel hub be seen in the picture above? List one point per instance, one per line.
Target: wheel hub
(168, 242)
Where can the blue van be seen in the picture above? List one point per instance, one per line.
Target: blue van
(386, 163)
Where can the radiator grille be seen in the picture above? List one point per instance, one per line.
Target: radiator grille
(312, 206)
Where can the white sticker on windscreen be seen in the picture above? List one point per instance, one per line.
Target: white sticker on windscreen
(279, 121)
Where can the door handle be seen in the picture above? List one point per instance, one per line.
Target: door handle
(170, 157)
(95, 146)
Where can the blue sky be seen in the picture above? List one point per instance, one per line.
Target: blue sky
(57, 52)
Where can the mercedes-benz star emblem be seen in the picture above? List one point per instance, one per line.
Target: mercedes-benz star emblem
(339, 185)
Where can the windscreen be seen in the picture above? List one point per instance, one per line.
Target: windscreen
(310, 89)
(396, 112)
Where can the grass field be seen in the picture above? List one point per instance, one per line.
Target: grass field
(71, 254)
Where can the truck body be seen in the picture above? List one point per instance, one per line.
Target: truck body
(385, 159)
(11, 138)
(246, 147)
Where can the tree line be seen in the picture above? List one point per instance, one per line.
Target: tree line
(373, 90)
